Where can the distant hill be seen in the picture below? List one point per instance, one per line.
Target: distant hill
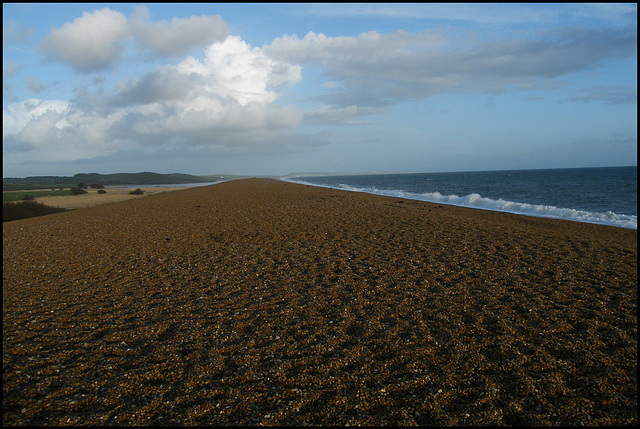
(144, 178)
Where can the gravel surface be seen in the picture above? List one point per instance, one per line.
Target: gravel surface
(262, 302)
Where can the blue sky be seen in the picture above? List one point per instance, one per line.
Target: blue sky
(270, 89)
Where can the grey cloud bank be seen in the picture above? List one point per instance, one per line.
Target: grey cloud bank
(431, 62)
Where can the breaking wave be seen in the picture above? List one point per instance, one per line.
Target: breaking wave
(475, 200)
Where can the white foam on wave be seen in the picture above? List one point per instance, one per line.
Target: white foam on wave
(478, 201)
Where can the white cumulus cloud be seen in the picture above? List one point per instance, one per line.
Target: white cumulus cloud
(90, 43)
(98, 40)
(233, 69)
(177, 37)
(18, 115)
(227, 99)
(218, 100)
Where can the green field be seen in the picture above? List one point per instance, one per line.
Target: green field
(19, 195)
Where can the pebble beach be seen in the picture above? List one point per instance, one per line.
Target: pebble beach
(261, 302)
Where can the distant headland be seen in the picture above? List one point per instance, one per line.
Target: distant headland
(143, 178)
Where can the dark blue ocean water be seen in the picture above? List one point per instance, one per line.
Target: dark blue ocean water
(606, 195)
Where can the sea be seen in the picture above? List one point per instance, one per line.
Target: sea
(605, 195)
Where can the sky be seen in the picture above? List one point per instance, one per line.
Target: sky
(273, 89)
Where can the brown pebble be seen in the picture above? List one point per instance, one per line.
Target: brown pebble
(284, 304)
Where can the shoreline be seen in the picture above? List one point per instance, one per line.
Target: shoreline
(414, 198)
(260, 301)
(474, 200)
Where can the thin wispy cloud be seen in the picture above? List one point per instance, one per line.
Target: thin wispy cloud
(481, 13)
(15, 34)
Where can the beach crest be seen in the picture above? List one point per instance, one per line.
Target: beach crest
(258, 301)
